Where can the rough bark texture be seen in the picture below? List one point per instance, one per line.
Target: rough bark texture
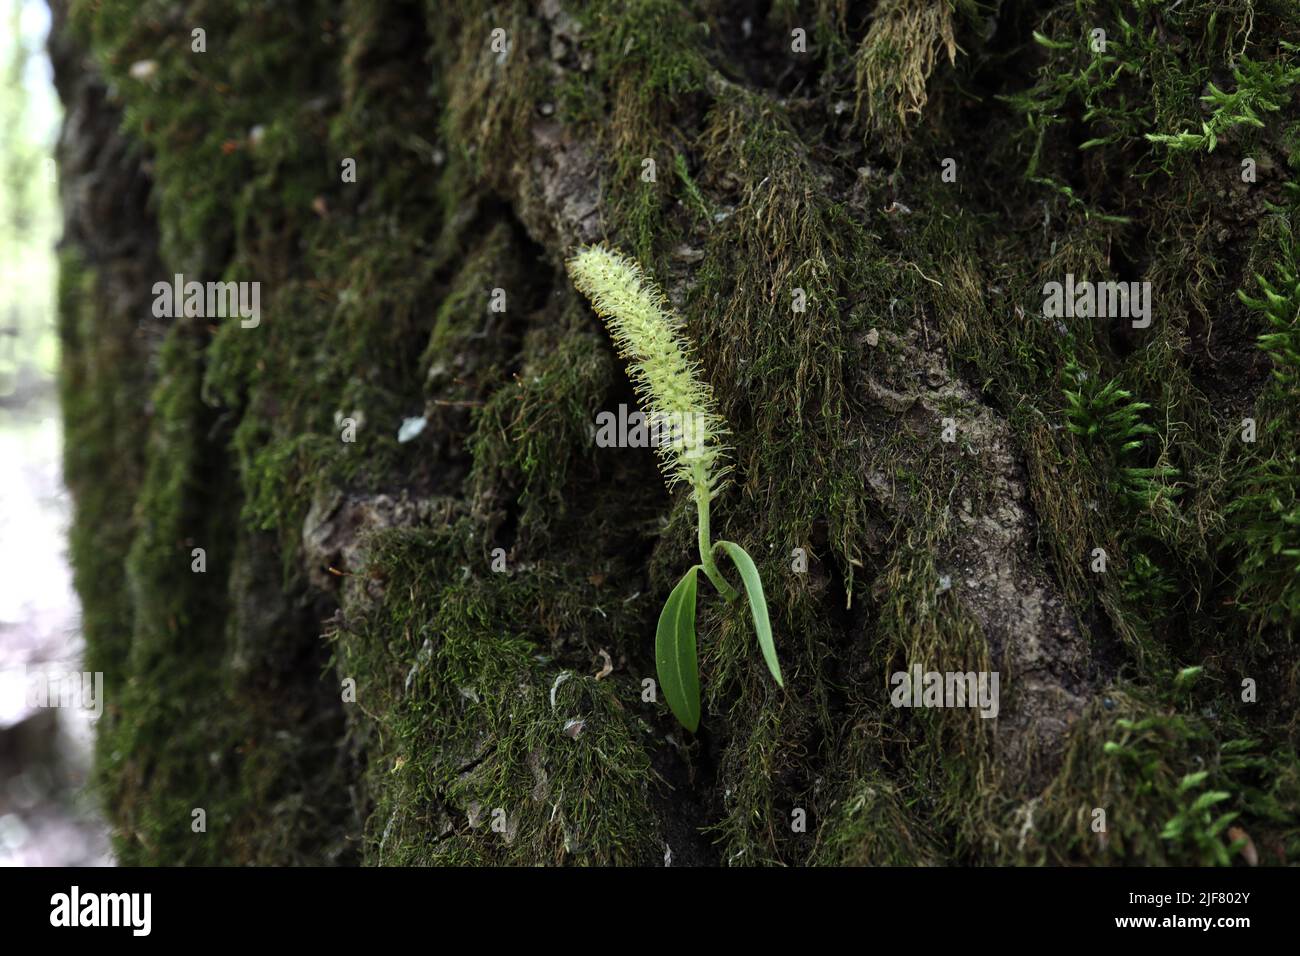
(856, 208)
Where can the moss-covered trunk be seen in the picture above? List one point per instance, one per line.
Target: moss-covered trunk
(365, 588)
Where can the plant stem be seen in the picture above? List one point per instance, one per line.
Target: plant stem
(706, 544)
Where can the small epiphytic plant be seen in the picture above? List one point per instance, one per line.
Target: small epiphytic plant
(1262, 88)
(1198, 827)
(1265, 515)
(1106, 417)
(679, 407)
(1280, 306)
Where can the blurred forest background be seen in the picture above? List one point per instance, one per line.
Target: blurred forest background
(46, 816)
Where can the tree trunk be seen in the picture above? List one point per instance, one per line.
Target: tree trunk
(365, 588)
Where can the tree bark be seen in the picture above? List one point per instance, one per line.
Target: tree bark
(364, 587)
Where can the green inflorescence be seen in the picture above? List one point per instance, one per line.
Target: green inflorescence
(680, 408)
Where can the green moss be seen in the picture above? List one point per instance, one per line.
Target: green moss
(1107, 418)
(491, 86)
(1133, 87)
(202, 138)
(947, 753)
(1261, 88)
(472, 667)
(207, 718)
(103, 381)
(472, 332)
(530, 434)
(871, 826)
(188, 727)
(1265, 512)
(327, 357)
(895, 59)
(648, 71)
(383, 121)
(1149, 766)
(696, 198)
(157, 768)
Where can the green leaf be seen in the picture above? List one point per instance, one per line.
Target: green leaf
(1221, 824)
(1209, 799)
(757, 604)
(1043, 40)
(675, 659)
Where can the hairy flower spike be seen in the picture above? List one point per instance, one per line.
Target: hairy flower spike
(676, 401)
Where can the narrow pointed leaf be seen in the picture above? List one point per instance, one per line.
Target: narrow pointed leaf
(675, 660)
(757, 604)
